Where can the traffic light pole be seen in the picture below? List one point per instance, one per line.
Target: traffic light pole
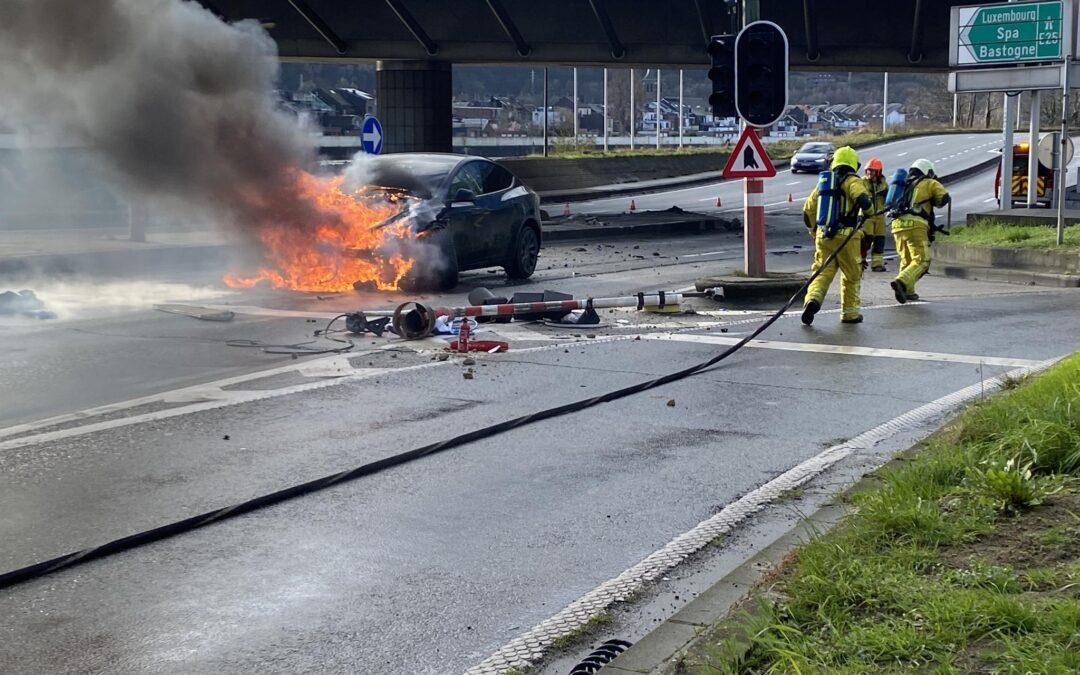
(754, 225)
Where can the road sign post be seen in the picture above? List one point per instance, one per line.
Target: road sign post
(748, 160)
(754, 230)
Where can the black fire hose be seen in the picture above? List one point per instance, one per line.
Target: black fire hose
(45, 567)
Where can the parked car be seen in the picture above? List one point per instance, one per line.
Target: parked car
(473, 211)
(812, 157)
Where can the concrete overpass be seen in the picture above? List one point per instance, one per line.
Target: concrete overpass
(416, 41)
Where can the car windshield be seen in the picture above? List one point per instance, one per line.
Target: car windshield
(815, 148)
(416, 176)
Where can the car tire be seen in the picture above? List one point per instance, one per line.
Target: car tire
(524, 253)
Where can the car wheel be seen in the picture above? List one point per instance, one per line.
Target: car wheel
(523, 253)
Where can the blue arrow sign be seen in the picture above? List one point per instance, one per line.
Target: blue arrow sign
(371, 136)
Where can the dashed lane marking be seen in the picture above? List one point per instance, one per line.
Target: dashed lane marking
(530, 647)
(846, 350)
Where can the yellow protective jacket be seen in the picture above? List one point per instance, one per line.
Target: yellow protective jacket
(854, 191)
(877, 191)
(929, 192)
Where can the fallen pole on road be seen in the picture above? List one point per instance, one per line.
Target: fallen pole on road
(413, 320)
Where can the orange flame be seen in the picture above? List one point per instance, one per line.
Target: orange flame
(342, 248)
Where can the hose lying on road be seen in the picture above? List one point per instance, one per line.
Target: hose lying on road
(187, 524)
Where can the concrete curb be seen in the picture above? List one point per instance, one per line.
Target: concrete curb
(691, 225)
(1008, 276)
(1047, 261)
(658, 651)
(735, 288)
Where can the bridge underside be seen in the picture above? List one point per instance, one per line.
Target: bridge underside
(869, 35)
(416, 41)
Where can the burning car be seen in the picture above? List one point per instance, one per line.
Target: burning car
(406, 221)
(464, 213)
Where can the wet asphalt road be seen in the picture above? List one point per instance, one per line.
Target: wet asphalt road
(429, 567)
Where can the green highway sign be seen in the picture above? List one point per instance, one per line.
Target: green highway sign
(1015, 32)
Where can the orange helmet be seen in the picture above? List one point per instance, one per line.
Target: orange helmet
(875, 165)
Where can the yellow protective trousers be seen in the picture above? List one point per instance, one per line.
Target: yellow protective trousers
(874, 240)
(913, 245)
(847, 262)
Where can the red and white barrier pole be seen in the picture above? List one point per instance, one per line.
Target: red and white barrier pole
(656, 299)
(754, 227)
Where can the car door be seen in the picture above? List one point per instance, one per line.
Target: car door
(467, 218)
(503, 214)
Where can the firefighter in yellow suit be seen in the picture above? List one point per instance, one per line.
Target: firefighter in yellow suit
(913, 226)
(853, 197)
(874, 224)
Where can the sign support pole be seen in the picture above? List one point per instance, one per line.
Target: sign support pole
(885, 106)
(606, 124)
(1069, 33)
(1008, 116)
(1033, 147)
(754, 224)
(658, 115)
(632, 129)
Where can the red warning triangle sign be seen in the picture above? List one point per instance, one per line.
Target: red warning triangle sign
(749, 159)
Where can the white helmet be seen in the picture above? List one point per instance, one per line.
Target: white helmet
(925, 166)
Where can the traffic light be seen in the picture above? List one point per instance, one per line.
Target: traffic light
(722, 73)
(761, 73)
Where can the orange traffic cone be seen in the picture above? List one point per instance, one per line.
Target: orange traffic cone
(789, 198)
(566, 210)
(633, 206)
(717, 202)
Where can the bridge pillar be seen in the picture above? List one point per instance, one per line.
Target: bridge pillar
(414, 106)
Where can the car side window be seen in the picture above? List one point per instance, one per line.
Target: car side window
(469, 177)
(498, 179)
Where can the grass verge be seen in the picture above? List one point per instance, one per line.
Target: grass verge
(991, 233)
(965, 559)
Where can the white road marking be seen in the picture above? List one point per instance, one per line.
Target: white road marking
(212, 395)
(989, 200)
(901, 154)
(698, 255)
(797, 182)
(531, 646)
(940, 143)
(846, 350)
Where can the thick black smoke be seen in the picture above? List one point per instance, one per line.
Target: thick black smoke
(175, 103)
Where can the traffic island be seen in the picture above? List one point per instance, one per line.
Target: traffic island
(741, 288)
(1011, 253)
(959, 555)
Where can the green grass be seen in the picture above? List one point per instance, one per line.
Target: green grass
(591, 626)
(941, 569)
(989, 233)
(781, 150)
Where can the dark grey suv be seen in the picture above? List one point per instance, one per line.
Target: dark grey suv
(474, 212)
